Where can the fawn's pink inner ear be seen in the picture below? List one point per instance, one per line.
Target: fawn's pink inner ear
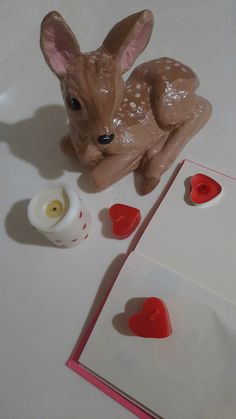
(136, 46)
(58, 47)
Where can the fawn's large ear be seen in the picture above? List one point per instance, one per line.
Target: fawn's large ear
(128, 38)
(58, 43)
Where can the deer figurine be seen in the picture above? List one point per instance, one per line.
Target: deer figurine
(115, 126)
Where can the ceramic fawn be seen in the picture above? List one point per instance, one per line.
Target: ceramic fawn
(115, 126)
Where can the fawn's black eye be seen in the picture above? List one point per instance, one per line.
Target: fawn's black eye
(74, 104)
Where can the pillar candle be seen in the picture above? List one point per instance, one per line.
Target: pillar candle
(58, 213)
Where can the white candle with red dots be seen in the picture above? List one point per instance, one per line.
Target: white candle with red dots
(58, 213)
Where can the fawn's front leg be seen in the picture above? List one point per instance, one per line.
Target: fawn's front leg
(175, 143)
(67, 147)
(113, 168)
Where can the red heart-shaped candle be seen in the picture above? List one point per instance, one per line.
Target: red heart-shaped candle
(203, 189)
(153, 321)
(125, 219)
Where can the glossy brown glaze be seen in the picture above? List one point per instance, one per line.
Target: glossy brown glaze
(151, 116)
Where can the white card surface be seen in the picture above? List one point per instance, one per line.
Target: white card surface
(192, 373)
(198, 242)
(186, 257)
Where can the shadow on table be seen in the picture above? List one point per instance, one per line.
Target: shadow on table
(19, 229)
(36, 141)
(106, 222)
(120, 320)
(101, 296)
(187, 184)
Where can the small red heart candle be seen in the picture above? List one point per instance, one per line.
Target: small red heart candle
(203, 189)
(153, 321)
(125, 219)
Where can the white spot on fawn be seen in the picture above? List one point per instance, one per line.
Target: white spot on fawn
(138, 86)
(125, 99)
(137, 95)
(168, 61)
(168, 68)
(133, 105)
(176, 64)
(92, 59)
(183, 69)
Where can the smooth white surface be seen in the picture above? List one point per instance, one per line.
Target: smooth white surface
(186, 375)
(197, 242)
(46, 293)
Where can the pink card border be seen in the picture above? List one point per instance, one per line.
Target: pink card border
(74, 364)
(73, 361)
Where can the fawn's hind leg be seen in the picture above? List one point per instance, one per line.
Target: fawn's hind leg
(160, 162)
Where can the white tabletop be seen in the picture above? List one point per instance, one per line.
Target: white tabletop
(46, 293)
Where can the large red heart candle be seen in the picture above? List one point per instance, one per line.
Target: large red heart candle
(153, 321)
(125, 219)
(203, 189)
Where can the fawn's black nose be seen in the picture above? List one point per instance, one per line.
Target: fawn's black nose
(105, 139)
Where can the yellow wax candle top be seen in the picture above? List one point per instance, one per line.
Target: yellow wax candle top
(54, 209)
